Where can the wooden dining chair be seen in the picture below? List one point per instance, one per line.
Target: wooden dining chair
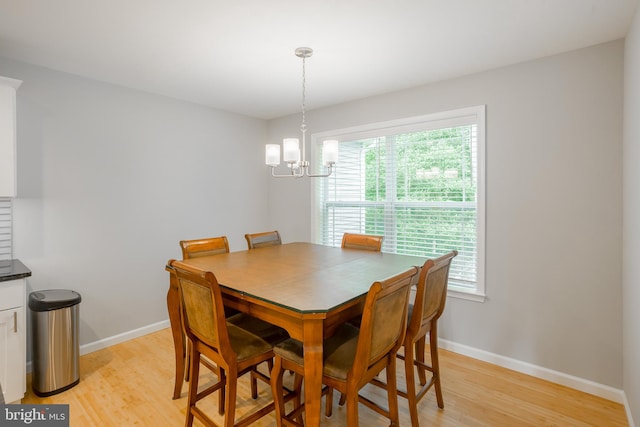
(428, 306)
(234, 350)
(368, 242)
(207, 247)
(259, 240)
(204, 247)
(363, 242)
(193, 249)
(352, 356)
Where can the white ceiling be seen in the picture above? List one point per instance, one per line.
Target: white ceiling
(237, 55)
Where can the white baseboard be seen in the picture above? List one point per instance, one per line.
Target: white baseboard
(628, 410)
(125, 336)
(567, 380)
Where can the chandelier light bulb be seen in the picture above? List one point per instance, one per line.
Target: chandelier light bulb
(272, 155)
(329, 152)
(291, 150)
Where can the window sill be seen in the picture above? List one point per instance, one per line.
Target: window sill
(465, 294)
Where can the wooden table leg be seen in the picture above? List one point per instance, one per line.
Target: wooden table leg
(312, 342)
(173, 306)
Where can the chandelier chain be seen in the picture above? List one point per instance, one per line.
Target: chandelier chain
(303, 127)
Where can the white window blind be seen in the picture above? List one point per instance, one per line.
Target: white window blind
(5, 229)
(418, 182)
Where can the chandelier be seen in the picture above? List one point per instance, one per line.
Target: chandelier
(299, 166)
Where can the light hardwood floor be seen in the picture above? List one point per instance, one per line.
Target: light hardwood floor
(131, 384)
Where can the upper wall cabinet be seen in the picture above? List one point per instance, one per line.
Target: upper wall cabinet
(8, 183)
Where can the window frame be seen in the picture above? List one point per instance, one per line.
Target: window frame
(431, 121)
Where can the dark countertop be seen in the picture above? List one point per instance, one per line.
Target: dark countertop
(12, 270)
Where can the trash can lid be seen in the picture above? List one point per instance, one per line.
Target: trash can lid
(53, 299)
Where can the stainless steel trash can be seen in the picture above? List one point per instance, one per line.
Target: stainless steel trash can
(56, 349)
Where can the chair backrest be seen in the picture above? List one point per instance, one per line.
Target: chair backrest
(384, 320)
(204, 247)
(202, 308)
(259, 240)
(366, 242)
(431, 294)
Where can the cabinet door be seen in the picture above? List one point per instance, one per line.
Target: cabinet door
(13, 375)
(8, 136)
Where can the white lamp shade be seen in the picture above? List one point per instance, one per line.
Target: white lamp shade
(291, 150)
(272, 154)
(329, 151)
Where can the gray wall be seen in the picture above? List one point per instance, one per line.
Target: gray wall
(110, 179)
(554, 206)
(631, 229)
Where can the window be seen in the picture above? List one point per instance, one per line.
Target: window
(419, 182)
(5, 229)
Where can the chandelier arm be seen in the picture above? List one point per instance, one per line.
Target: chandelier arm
(291, 175)
(320, 175)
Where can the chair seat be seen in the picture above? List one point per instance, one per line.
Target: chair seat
(338, 352)
(245, 344)
(266, 331)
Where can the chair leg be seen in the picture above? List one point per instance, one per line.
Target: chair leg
(193, 387)
(352, 407)
(409, 373)
(230, 400)
(328, 403)
(254, 379)
(187, 364)
(342, 400)
(420, 353)
(222, 393)
(435, 364)
(392, 391)
(277, 390)
(254, 385)
(297, 401)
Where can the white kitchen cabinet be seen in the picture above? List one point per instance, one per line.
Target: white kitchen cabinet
(13, 330)
(8, 185)
(12, 354)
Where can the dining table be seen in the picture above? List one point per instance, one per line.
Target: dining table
(307, 289)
